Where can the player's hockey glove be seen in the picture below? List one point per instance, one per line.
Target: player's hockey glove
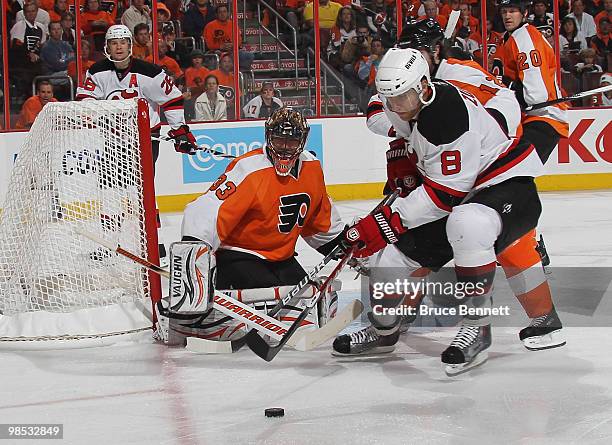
(184, 141)
(401, 171)
(374, 232)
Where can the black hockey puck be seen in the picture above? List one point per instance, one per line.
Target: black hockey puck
(274, 412)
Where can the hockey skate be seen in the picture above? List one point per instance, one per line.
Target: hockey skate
(364, 342)
(544, 332)
(467, 350)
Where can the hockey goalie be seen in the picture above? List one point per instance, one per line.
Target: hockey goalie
(251, 217)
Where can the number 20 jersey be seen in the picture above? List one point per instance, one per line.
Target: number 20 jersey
(252, 209)
(140, 80)
(459, 148)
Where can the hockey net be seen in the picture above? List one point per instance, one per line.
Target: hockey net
(83, 166)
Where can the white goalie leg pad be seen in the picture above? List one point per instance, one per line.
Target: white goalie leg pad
(190, 286)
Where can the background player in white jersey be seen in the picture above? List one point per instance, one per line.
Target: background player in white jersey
(478, 196)
(121, 76)
(521, 261)
(254, 213)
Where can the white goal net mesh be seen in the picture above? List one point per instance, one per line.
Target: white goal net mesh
(79, 167)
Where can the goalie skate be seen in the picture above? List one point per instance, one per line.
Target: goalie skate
(544, 332)
(364, 342)
(467, 350)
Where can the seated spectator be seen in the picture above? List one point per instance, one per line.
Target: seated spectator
(177, 50)
(264, 104)
(163, 15)
(466, 22)
(225, 72)
(570, 39)
(540, 17)
(41, 15)
(587, 62)
(33, 105)
(55, 53)
(607, 12)
(431, 11)
(141, 46)
(68, 32)
(59, 8)
(136, 14)
(495, 41)
(167, 63)
(218, 36)
(94, 20)
(27, 38)
(604, 99)
(601, 42)
(197, 16)
(344, 29)
(368, 65)
(211, 105)
(197, 72)
(585, 23)
(354, 49)
(86, 62)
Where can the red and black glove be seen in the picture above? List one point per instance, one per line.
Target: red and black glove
(401, 170)
(184, 141)
(374, 232)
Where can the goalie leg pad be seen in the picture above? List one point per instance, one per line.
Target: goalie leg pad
(191, 290)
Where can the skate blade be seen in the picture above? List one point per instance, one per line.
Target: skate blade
(551, 340)
(379, 350)
(456, 369)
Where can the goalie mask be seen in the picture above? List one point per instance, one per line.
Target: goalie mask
(118, 32)
(286, 134)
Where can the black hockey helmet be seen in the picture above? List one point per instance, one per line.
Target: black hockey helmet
(421, 34)
(286, 133)
(523, 5)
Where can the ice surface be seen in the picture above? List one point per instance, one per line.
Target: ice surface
(143, 393)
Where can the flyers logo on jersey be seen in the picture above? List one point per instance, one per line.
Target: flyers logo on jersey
(292, 210)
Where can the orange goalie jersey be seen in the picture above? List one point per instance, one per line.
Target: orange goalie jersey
(252, 209)
(528, 58)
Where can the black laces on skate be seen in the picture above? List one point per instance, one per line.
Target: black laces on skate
(366, 335)
(466, 336)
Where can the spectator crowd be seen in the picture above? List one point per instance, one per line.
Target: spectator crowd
(194, 42)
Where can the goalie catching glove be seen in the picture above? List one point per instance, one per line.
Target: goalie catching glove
(184, 141)
(374, 232)
(401, 171)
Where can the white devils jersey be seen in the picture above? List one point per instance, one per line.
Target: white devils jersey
(139, 80)
(459, 148)
(464, 74)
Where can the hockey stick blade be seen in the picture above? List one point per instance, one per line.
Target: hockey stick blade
(568, 98)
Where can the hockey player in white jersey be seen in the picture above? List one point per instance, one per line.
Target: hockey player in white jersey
(121, 76)
(477, 197)
(521, 261)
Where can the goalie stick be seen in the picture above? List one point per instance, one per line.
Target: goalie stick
(266, 351)
(238, 310)
(568, 98)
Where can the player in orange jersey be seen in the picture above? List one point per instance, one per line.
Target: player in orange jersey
(254, 213)
(530, 66)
